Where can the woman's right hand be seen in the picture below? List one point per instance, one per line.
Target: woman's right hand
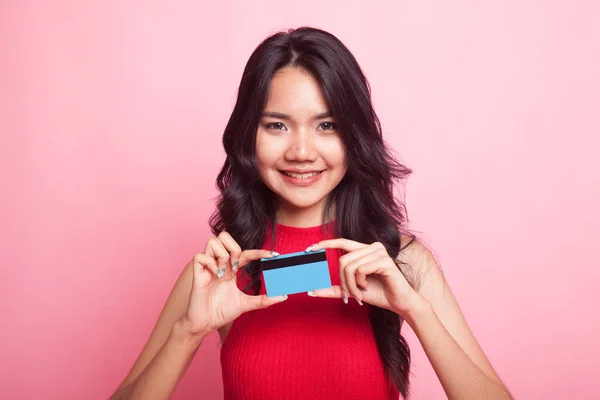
(215, 299)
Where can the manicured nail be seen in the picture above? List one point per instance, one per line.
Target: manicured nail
(284, 297)
(359, 302)
(220, 273)
(310, 248)
(345, 297)
(311, 293)
(235, 265)
(275, 254)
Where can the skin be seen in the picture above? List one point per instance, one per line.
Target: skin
(205, 298)
(302, 138)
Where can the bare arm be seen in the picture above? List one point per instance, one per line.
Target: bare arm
(161, 376)
(168, 352)
(205, 298)
(459, 362)
(433, 313)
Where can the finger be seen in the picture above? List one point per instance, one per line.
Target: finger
(251, 303)
(342, 244)
(201, 262)
(347, 265)
(252, 255)
(353, 290)
(215, 249)
(349, 258)
(373, 254)
(361, 280)
(234, 250)
(232, 247)
(343, 284)
(334, 292)
(380, 266)
(377, 254)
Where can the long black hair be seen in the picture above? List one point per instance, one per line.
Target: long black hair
(366, 208)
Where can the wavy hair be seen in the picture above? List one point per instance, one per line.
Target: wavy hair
(365, 207)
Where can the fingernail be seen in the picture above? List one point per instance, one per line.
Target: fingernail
(310, 248)
(311, 293)
(235, 265)
(345, 298)
(359, 302)
(220, 273)
(275, 254)
(284, 297)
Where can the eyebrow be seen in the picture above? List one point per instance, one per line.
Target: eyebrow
(277, 115)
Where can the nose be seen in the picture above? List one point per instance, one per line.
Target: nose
(302, 147)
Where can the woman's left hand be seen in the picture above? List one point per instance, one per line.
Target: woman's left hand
(369, 274)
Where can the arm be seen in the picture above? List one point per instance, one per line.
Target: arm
(205, 298)
(369, 274)
(457, 359)
(168, 352)
(161, 376)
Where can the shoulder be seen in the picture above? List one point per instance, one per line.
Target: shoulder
(414, 250)
(418, 261)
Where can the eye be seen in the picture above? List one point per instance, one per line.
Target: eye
(328, 126)
(278, 126)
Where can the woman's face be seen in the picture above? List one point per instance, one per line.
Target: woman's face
(300, 155)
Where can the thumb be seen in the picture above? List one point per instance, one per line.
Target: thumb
(251, 303)
(334, 292)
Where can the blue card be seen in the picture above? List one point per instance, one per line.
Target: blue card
(295, 273)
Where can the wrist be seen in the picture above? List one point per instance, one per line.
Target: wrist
(418, 309)
(182, 331)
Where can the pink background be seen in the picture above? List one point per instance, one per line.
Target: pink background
(111, 114)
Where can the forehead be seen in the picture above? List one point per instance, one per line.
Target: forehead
(295, 91)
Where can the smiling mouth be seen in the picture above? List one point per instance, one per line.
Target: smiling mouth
(301, 176)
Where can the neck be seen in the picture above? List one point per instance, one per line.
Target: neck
(302, 217)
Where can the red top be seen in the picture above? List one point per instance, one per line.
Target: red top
(306, 347)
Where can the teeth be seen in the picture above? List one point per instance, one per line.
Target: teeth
(301, 176)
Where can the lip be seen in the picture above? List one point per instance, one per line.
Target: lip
(301, 181)
(301, 171)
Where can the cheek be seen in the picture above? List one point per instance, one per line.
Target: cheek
(266, 154)
(335, 154)
(342, 159)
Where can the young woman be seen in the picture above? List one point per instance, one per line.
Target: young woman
(307, 169)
